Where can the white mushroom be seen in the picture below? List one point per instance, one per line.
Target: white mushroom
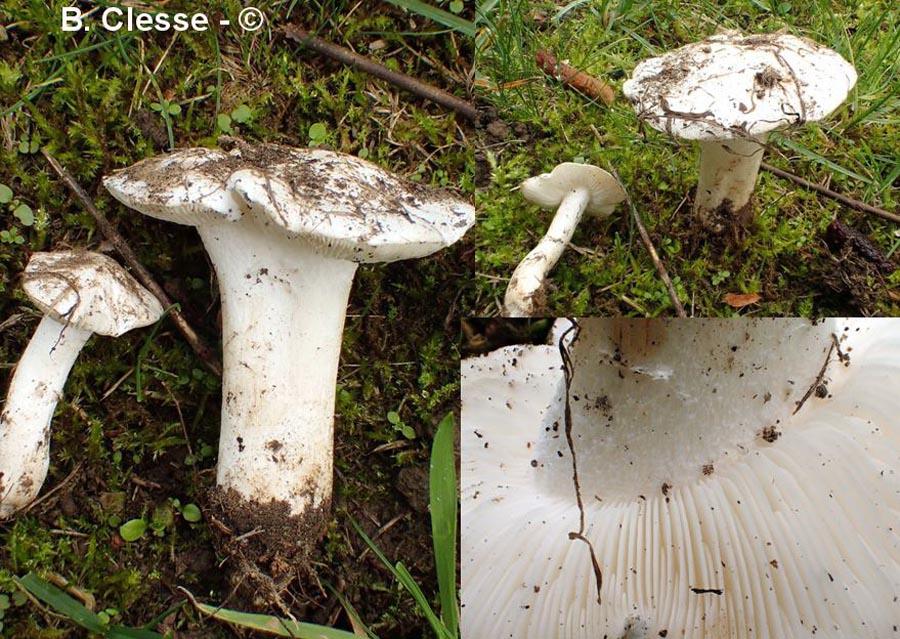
(80, 293)
(729, 92)
(285, 229)
(735, 479)
(575, 189)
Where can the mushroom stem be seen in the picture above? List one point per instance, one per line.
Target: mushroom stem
(283, 309)
(36, 387)
(728, 171)
(531, 273)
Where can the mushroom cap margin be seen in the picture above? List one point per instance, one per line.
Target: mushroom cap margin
(89, 290)
(346, 207)
(188, 186)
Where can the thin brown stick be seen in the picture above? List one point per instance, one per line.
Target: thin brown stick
(820, 377)
(53, 490)
(654, 256)
(352, 59)
(568, 373)
(140, 272)
(843, 199)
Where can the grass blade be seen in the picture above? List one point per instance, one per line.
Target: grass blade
(890, 179)
(62, 603)
(158, 619)
(444, 510)
(270, 623)
(76, 611)
(820, 159)
(123, 632)
(410, 584)
(360, 628)
(145, 348)
(571, 6)
(437, 15)
(402, 574)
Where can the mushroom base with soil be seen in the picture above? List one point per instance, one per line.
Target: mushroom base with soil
(728, 172)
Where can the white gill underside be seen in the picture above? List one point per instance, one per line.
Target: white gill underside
(283, 309)
(795, 538)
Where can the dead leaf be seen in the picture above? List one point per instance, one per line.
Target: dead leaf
(740, 300)
(575, 78)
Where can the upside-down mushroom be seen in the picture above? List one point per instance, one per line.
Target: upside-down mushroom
(573, 189)
(80, 293)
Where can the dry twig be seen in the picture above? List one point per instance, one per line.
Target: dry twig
(401, 80)
(654, 256)
(843, 199)
(68, 478)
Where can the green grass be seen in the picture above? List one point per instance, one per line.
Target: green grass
(784, 259)
(135, 436)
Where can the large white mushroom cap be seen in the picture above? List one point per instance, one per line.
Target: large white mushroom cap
(346, 207)
(90, 291)
(736, 86)
(790, 538)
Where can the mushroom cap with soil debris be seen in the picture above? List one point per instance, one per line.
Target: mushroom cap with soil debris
(704, 506)
(736, 86)
(342, 206)
(729, 92)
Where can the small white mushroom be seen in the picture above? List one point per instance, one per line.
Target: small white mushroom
(736, 479)
(80, 293)
(729, 92)
(575, 189)
(285, 229)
